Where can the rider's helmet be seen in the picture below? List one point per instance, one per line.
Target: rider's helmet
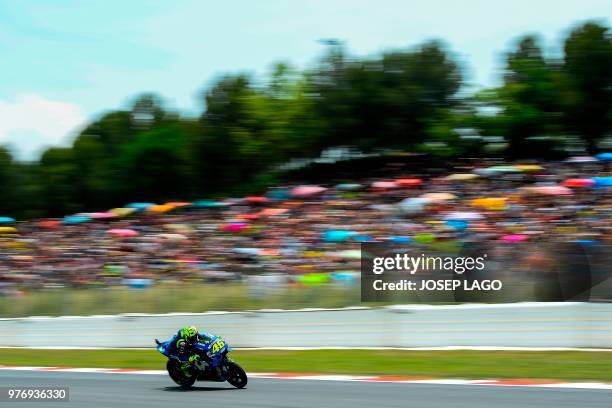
(190, 334)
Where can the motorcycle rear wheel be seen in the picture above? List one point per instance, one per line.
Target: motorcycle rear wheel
(234, 374)
(176, 373)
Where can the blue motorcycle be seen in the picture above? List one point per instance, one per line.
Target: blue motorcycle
(214, 365)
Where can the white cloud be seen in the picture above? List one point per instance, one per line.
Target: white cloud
(30, 123)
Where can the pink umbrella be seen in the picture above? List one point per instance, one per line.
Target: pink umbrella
(303, 191)
(581, 159)
(514, 238)
(554, 190)
(235, 227)
(383, 185)
(122, 232)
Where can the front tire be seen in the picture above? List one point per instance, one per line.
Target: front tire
(234, 374)
(176, 373)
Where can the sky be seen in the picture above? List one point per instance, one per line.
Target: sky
(66, 62)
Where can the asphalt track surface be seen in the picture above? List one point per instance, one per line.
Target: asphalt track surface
(138, 390)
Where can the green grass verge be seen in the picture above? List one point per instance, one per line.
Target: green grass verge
(172, 297)
(558, 365)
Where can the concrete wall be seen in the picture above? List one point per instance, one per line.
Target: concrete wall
(509, 325)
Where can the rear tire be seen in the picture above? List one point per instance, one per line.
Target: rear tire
(234, 374)
(176, 373)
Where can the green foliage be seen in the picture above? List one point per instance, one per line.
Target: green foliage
(588, 65)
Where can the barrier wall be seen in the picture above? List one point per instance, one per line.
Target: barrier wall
(502, 325)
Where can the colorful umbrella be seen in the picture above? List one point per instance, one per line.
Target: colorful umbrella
(235, 227)
(578, 182)
(272, 211)
(412, 205)
(304, 191)
(409, 182)
(581, 159)
(122, 212)
(463, 216)
(140, 206)
(247, 216)
(75, 219)
(173, 237)
(528, 167)
(424, 238)
(337, 235)
(514, 238)
(461, 176)
(49, 224)
(490, 203)
(348, 186)
(178, 204)
(207, 204)
(437, 197)
(400, 240)
(384, 185)
(504, 169)
(160, 209)
(256, 199)
(6, 220)
(8, 230)
(553, 190)
(122, 232)
(459, 225)
(602, 181)
(605, 156)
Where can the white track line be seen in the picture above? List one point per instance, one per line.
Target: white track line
(330, 377)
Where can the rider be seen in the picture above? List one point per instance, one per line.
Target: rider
(182, 345)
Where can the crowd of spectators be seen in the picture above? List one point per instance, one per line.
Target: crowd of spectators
(312, 233)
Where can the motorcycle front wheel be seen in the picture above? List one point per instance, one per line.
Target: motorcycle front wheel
(234, 374)
(176, 373)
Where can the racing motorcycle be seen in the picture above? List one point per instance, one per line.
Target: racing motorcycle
(214, 365)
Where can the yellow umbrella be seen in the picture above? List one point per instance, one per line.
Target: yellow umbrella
(528, 167)
(490, 203)
(461, 176)
(8, 230)
(122, 212)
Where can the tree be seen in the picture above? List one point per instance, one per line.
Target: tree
(386, 101)
(530, 99)
(59, 179)
(588, 64)
(7, 182)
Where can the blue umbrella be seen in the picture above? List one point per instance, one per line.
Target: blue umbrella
(140, 206)
(6, 220)
(278, 194)
(348, 186)
(337, 235)
(75, 220)
(401, 240)
(457, 224)
(602, 181)
(206, 204)
(604, 156)
(585, 241)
